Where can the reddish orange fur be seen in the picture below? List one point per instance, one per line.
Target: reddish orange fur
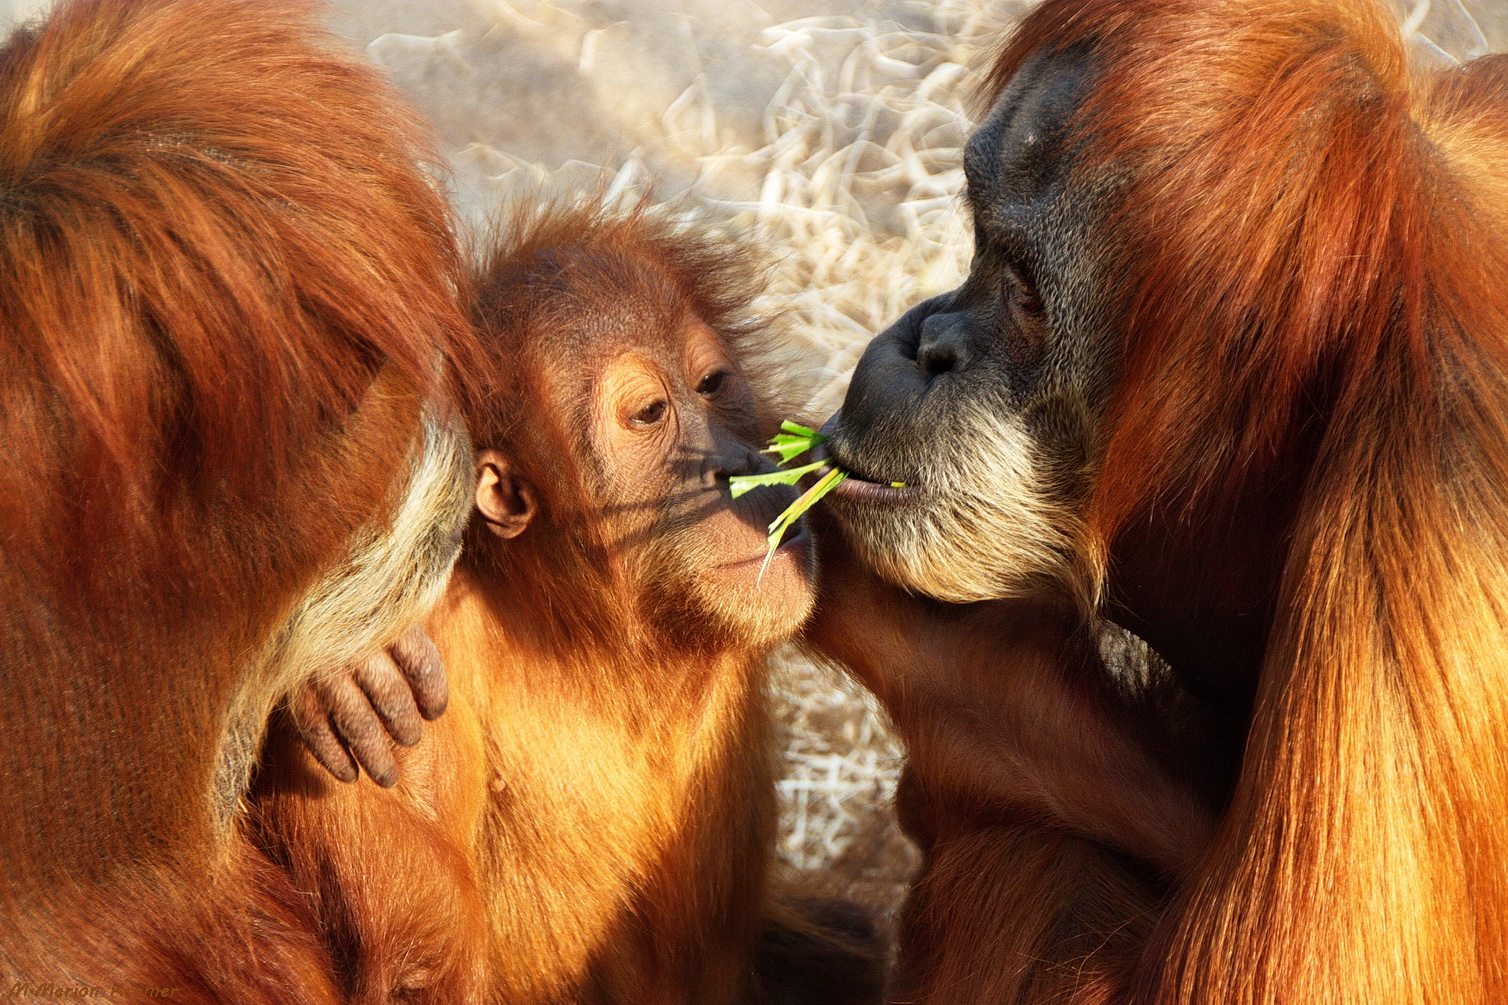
(1311, 271)
(1024, 773)
(212, 237)
(592, 819)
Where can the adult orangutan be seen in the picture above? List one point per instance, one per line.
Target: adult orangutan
(1231, 365)
(592, 820)
(230, 461)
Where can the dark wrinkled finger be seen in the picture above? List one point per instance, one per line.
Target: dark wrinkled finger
(358, 725)
(387, 689)
(313, 725)
(420, 662)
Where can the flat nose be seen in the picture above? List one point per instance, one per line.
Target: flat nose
(730, 459)
(944, 344)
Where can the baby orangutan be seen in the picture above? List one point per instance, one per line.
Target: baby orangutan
(592, 819)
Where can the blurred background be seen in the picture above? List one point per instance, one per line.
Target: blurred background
(828, 130)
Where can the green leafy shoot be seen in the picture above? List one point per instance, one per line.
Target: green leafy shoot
(789, 476)
(821, 487)
(831, 480)
(791, 442)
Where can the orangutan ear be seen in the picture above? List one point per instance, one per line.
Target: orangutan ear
(503, 499)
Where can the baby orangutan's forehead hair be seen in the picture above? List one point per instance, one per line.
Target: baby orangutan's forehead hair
(568, 281)
(584, 263)
(594, 302)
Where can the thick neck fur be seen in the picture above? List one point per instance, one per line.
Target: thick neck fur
(1318, 211)
(587, 633)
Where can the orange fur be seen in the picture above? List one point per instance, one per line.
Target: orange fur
(1050, 815)
(592, 820)
(584, 828)
(1309, 269)
(226, 292)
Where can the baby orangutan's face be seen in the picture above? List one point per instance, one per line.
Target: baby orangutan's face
(667, 419)
(672, 422)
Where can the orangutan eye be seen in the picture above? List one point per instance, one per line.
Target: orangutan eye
(1027, 316)
(1021, 294)
(712, 383)
(651, 414)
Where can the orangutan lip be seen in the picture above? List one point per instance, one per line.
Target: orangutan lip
(796, 540)
(858, 488)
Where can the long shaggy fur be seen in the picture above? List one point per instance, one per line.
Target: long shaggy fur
(1310, 269)
(228, 299)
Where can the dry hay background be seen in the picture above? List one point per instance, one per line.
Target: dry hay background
(831, 131)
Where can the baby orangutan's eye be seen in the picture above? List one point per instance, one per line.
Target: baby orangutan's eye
(712, 383)
(651, 414)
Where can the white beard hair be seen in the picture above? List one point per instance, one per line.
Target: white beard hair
(992, 525)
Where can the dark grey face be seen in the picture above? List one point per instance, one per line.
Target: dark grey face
(985, 401)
